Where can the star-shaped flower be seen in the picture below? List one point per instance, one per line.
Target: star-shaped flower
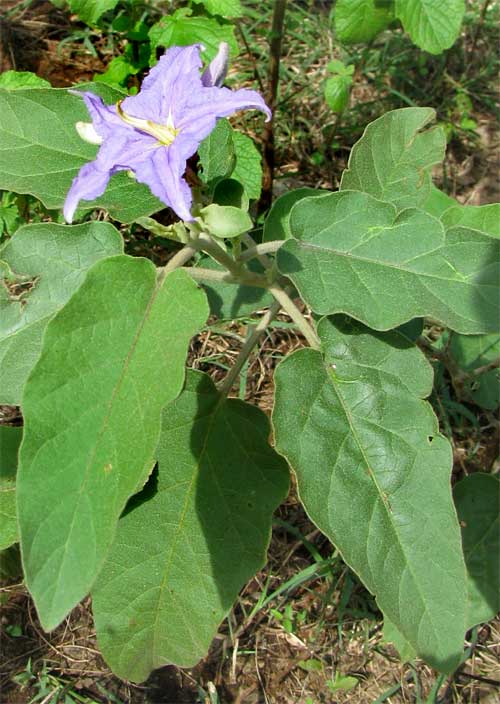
(154, 132)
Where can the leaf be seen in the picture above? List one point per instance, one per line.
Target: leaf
(180, 29)
(485, 218)
(277, 223)
(373, 473)
(111, 359)
(89, 11)
(228, 301)
(477, 498)
(359, 21)
(10, 439)
(392, 635)
(217, 154)
(437, 202)
(231, 192)
(13, 80)
(473, 351)
(37, 127)
(355, 255)
(433, 25)
(393, 159)
(225, 221)
(337, 90)
(52, 261)
(248, 169)
(224, 8)
(180, 558)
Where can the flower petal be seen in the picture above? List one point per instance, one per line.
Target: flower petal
(168, 85)
(104, 117)
(90, 183)
(216, 70)
(163, 173)
(207, 105)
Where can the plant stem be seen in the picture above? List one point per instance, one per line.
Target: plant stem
(180, 258)
(202, 274)
(258, 249)
(247, 348)
(206, 244)
(289, 307)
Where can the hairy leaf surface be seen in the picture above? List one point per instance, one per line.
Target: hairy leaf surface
(373, 473)
(393, 159)
(41, 152)
(46, 264)
(354, 254)
(180, 558)
(477, 498)
(111, 359)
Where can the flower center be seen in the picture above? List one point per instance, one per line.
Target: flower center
(165, 134)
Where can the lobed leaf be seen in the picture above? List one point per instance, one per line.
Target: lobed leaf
(41, 152)
(356, 255)
(181, 556)
(373, 473)
(50, 262)
(393, 159)
(111, 359)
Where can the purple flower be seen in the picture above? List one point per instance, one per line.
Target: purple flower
(154, 132)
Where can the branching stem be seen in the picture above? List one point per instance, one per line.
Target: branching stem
(289, 307)
(247, 348)
(257, 250)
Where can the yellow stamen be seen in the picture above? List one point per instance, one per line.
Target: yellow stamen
(165, 134)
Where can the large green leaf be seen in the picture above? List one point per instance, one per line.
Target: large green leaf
(354, 254)
(471, 352)
(394, 158)
(485, 218)
(41, 152)
(434, 25)
(373, 473)
(477, 498)
(361, 20)
(111, 359)
(52, 261)
(180, 29)
(180, 558)
(10, 439)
